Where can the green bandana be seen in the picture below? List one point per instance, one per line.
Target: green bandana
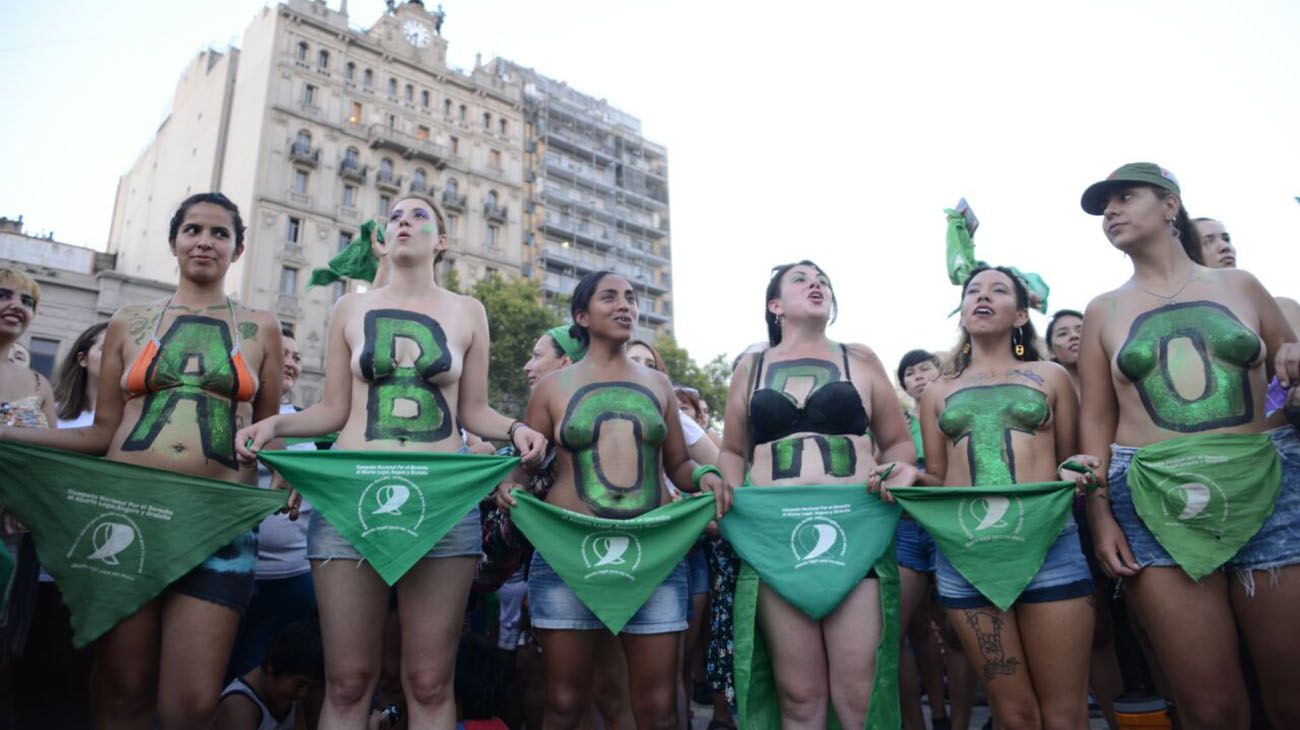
(996, 537)
(812, 545)
(567, 342)
(1205, 496)
(393, 507)
(356, 261)
(115, 535)
(756, 693)
(962, 261)
(612, 565)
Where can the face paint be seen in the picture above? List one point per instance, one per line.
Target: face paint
(402, 403)
(820, 372)
(985, 416)
(1221, 348)
(193, 363)
(427, 228)
(839, 458)
(592, 408)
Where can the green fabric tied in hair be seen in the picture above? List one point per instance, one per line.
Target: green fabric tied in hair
(962, 261)
(356, 261)
(574, 349)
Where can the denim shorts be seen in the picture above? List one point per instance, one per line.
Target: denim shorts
(697, 567)
(915, 546)
(1064, 575)
(554, 605)
(326, 543)
(1277, 543)
(225, 577)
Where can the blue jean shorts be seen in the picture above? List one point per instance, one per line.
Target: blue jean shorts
(554, 605)
(326, 543)
(1064, 575)
(697, 566)
(1277, 543)
(225, 577)
(915, 546)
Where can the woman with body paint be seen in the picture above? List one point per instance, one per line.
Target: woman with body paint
(1003, 417)
(152, 409)
(405, 343)
(1173, 366)
(809, 411)
(593, 468)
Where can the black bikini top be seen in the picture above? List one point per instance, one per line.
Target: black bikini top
(832, 409)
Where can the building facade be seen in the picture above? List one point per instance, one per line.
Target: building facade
(312, 127)
(596, 195)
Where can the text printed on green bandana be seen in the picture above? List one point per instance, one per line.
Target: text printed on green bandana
(811, 544)
(996, 537)
(612, 565)
(393, 507)
(114, 535)
(1204, 496)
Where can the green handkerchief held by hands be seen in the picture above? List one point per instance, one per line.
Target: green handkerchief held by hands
(613, 565)
(114, 535)
(996, 537)
(393, 507)
(1204, 496)
(356, 261)
(810, 544)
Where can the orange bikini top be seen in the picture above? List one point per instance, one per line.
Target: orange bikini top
(195, 352)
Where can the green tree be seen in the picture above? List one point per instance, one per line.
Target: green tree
(711, 380)
(516, 318)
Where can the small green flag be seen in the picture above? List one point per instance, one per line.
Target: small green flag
(392, 506)
(114, 535)
(756, 693)
(811, 544)
(996, 537)
(1204, 496)
(613, 565)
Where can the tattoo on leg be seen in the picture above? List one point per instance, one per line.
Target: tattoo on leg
(987, 623)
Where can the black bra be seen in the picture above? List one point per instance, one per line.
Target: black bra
(833, 409)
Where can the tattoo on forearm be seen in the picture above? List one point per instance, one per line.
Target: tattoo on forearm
(987, 623)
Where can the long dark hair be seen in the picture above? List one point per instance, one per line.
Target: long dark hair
(1025, 333)
(215, 199)
(70, 390)
(1187, 233)
(582, 294)
(774, 290)
(1051, 326)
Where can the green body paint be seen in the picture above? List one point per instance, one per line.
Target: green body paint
(591, 409)
(820, 372)
(402, 403)
(985, 416)
(1215, 342)
(839, 458)
(193, 363)
(426, 228)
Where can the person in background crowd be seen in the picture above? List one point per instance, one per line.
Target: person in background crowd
(1063, 333)
(270, 696)
(19, 355)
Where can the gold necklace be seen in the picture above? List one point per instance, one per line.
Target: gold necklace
(1191, 275)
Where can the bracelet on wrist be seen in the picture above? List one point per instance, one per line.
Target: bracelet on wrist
(698, 474)
(510, 431)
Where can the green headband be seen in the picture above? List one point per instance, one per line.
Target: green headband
(572, 348)
(356, 261)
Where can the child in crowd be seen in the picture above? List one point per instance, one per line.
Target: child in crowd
(270, 696)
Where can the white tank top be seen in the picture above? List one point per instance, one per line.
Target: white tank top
(239, 687)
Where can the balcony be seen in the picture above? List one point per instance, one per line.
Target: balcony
(304, 154)
(494, 213)
(352, 170)
(386, 180)
(452, 201)
(292, 252)
(286, 306)
(419, 186)
(408, 146)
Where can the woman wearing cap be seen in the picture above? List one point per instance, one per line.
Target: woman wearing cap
(832, 406)
(1173, 367)
(1003, 417)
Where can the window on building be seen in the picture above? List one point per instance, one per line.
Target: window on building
(386, 167)
(350, 71)
(450, 188)
(392, 121)
(494, 159)
(44, 351)
(446, 108)
(454, 144)
(487, 121)
(300, 181)
(424, 99)
(453, 224)
(288, 281)
(385, 203)
(463, 111)
(422, 132)
(302, 52)
(418, 179)
(302, 142)
(492, 199)
(409, 93)
(392, 87)
(295, 229)
(368, 78)
(337, 290)
(350, 195)
(351, 157)
(355, 116)
(309, 95)
(493, 235)
(503, 126)
(345, 238)
(323, 60)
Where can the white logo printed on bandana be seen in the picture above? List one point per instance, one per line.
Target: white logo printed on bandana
(818, 541)
(111, 544)
(611, 553)
(1198, 499)
(391, 503)
(994, 517)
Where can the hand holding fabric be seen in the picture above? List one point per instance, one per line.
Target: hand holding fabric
(253, 438)
(716, 485)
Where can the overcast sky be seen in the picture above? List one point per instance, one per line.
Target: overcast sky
(830, 130)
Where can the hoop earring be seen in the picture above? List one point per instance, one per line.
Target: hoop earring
(1016, 338)
(1173, 227)
(780, 320)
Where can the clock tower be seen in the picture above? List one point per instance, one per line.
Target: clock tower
(420, 32)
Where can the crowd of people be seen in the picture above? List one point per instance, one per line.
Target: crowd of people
(1189, 367)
